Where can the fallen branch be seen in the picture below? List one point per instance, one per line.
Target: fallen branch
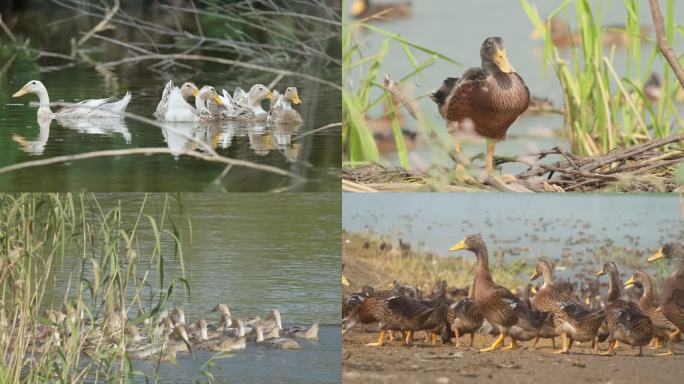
(148, 152)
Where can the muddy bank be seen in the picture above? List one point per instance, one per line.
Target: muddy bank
(424, 363)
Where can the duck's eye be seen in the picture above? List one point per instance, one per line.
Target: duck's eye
(33, 83)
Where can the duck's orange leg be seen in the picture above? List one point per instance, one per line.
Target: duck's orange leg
(496, 344)
(491, 144)
(564, 340)
(472, 339)
(381, 340)
(409, 338)
(611, 348)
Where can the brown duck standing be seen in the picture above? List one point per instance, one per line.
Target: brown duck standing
(672, 290)
(393, 313)
(503, 309)
(572, 319)
(649, 304)
(626, 322)
(491, 97)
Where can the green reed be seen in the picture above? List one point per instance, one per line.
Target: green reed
(602, 110)
(43, 233)
(362, 74)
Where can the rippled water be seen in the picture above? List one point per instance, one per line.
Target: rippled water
(315, 157)
(252, 252)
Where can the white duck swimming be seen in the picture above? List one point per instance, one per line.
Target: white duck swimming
(209, 105)
(173, 106)
(247, 107)
(281, 111)
(93, 108)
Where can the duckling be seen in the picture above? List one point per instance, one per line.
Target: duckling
(177, 316)
(626, 322)
(570, 316)
(226, 320)
(281, 111)
(672, 290)
(498, 305)
(282, 343)
(663, 327)
(94, 108)
(301, 332)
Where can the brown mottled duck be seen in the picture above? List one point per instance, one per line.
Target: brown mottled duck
(648, 302)
(467, 319)
(393, 313)
(490, 97)
(503, 309)
(626, 322)
(571, 317)
(362, 9)
(672, 290)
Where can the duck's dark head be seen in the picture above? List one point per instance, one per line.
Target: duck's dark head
(608, 268)
(542, 266)
(470, 242)
(475, 244)
(671, 251)
(668, 251)
(493, 55)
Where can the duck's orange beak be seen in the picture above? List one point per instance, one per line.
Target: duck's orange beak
(269, 95)
(195, 92)
(218, 100)
(296, 100)
(657, 255)
(534, 275)
(630, 282)
(458, 246)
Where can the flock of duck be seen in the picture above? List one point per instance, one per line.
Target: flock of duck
(174, 106)
(169, 333)
(636, 316)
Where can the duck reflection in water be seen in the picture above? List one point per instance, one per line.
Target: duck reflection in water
(283, 137)
(36, 147)
(98, 126)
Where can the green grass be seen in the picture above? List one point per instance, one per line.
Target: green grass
(42, 233)
(359, 63)
(602, 110)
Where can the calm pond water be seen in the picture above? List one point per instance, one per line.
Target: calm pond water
(315, 156)
(433, 25)
(253, 252)
(577, 228)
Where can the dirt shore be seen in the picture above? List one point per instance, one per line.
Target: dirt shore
(443, 364)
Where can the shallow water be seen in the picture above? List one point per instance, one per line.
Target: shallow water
(314, 157)
(457, 31)
(578, 228)
(252, 252)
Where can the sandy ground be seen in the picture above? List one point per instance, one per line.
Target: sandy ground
(443, 364)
